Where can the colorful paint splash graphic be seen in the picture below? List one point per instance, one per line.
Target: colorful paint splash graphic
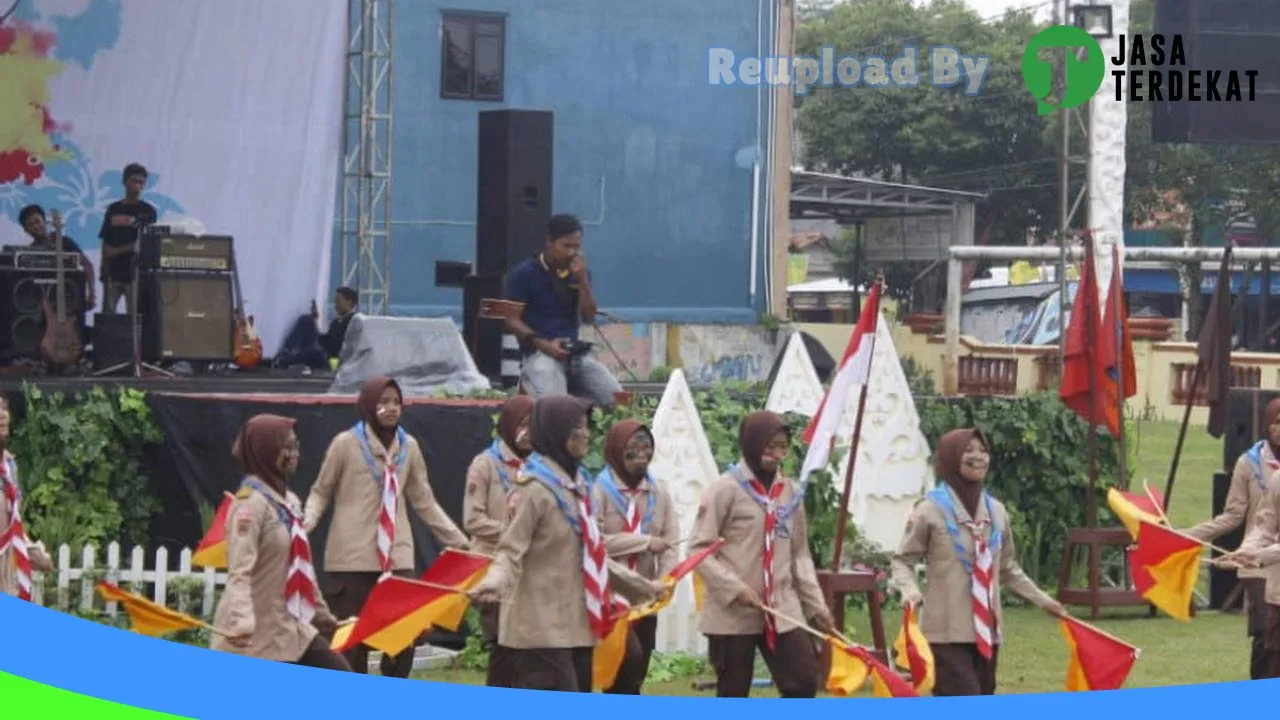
(26, 127)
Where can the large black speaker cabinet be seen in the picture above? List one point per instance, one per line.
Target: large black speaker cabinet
(513, 194)
(187, 316)
(1220, 35)
(22, 296)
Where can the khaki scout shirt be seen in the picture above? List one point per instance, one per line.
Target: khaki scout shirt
(253, 602)
(727, 511)
(538, 570)
(1264, 539)
(356, 493)
(947, 612)
(1248, 485)
(9, 559)
(623, 545)
(484, 510)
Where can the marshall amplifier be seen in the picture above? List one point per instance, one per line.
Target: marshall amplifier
(187, 316)
(28, 258)
(208, 253)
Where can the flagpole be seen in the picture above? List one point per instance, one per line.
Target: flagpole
(1091, 331)
(1117, 285)
(843, 520)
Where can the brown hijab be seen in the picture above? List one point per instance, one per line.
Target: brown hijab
(367, 406)
(554, 418)
(514, 411)
(614, 444)
(757, 430)
(259, 445)
(1268, 416)
(946, 466)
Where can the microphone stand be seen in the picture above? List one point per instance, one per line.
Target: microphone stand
(135, 319)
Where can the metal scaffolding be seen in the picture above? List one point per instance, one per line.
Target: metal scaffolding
(365, 224)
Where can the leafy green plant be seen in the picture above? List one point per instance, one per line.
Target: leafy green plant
(81, 466)
(665, 667)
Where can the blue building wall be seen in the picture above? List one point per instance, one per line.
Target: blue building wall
(653, 159)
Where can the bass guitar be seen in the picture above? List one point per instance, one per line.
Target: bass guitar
(61, 345)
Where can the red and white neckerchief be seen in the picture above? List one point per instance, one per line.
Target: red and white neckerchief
(769, 500)
(983, 617)
(300, 587)
(15, 536)
(387, 512)
(631, 521)
(595, 569)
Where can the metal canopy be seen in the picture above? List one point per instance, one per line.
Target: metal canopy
(817, 195)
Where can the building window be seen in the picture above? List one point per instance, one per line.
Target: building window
(472, 56)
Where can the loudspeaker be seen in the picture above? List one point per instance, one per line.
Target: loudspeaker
(483, 337)
(187, 316)
(112, 340)
(1221, 35)
(22, 293)
(513, 194)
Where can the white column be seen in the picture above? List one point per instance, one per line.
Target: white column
(1107, 124)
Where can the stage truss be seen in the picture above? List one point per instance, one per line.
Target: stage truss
(365, 221)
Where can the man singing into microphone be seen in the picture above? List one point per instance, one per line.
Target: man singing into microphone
(554, 288)
(119, 236)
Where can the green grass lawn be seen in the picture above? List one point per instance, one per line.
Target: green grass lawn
(1211, 648)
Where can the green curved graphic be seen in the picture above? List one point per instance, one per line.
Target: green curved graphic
(1083, 78)
(33, 700)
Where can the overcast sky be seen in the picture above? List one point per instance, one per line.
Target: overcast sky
(992, 8)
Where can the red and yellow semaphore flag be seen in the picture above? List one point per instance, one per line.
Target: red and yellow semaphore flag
(1132, 508)
(399, 609)
(1165, 566)
(212, 550)
(913, 654)
(851, 665)
(1097, 661)
(606, 659)
(147, 617)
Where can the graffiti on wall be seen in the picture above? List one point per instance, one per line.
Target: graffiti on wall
(726, 353)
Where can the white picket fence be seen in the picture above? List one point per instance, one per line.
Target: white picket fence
(153, 581)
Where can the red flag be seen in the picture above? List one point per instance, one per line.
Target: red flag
(1097, 661)
(691, 562)
(1090, 352)
(212, 550)
(1124, 363)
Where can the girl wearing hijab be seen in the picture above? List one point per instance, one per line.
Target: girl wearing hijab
(484, 509)
(271, 608)
(19, 556)
(764, 561)
(641, 529)
(963, 536)
(368, 473)
(551, 567)
(1247, 505)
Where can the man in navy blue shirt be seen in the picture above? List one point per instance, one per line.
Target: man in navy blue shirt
(554, 287)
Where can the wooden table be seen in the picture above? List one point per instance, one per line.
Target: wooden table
(837, 586)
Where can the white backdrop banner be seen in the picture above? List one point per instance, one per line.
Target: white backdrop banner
(233, 106)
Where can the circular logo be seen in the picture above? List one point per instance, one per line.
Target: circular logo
(1083, 77)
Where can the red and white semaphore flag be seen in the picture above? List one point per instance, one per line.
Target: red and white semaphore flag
(855, 369)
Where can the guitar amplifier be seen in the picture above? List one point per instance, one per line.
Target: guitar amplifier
(26, 258)
(187, 316)
(209, 253)
(22, 296)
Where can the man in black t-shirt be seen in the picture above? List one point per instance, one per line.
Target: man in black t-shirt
(120, 226)
(32, 219)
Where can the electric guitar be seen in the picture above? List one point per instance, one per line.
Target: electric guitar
(61, 345)
(247, 343)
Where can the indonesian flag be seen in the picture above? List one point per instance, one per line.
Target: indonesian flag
(855, 369)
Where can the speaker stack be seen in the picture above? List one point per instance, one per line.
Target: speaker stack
(513, 208)
(23, 289)
(186, 299)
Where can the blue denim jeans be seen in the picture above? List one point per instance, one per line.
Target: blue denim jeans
(541, 374)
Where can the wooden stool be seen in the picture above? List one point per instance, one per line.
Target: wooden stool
(1094, 595)
(835, 588)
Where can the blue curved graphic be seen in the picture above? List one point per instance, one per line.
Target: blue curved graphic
(80, 37)
(98, 661)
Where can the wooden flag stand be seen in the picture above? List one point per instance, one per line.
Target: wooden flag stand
(1092, 538)
(838, 584)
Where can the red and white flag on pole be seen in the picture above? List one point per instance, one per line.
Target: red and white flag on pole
(854, 371)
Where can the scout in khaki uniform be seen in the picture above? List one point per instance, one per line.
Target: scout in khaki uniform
(271, 608)
(641, 530)
(764, 560)
(1249, 482)
(19, 556)
(368, 473)
(484, 510)
(551, 568)
(962, 535)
